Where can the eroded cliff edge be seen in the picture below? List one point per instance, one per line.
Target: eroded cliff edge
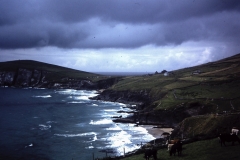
(36, 78)
(143, 111)
(207, 90)
(140, 101)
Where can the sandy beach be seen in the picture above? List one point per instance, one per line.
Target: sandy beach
(156, 132)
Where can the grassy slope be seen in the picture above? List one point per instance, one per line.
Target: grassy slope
(218, 80)
(200, 150)
(55, 72)
(210, 125)
(216, 89)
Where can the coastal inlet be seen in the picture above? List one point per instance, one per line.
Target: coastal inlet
(64, 124)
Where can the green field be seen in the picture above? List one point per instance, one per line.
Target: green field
(200, 150)
(204, 100)
(216, 81)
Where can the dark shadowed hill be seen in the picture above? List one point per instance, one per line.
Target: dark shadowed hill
(28, 73)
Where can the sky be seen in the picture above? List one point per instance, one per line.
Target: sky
(119, 35)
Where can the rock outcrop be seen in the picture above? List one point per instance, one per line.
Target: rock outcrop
(136, 97)
(143, 113)
(41, 79)
(23, 78)
(7, 78)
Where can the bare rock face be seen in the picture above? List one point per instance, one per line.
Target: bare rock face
(36, 77)
(124, 96)
(7, 78)
(23, 77)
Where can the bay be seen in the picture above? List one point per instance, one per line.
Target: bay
(63, 124)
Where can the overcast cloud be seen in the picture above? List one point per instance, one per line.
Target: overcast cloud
(120, 35)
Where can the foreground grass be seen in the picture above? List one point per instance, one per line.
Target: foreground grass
(200, 150)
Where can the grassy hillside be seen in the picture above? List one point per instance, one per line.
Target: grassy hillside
(208, 93)
(205, 126)
(200, 150)
(55, 72)
(215, 85)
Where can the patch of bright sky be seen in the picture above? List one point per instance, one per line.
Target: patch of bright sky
(149, 58)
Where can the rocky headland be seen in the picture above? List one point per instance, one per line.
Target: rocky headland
(43, 78)
(139, 101)
(178, 99)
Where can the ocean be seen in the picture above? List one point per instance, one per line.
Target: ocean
(124, 73)
(63, 124)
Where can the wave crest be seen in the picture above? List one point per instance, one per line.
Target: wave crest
(78, 135)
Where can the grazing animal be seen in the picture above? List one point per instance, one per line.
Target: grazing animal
(176, 148)
(169, 147)
(170, 143)
(150, 152)
(228, 138)
(235, 130)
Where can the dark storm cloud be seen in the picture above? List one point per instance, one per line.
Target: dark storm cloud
(116, 24)
(38, 34)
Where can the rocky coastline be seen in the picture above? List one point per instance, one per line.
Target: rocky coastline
(139, 102)
(37, 78)
(141, 115)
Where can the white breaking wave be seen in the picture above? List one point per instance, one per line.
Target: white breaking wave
(124, 140)
(81, 98)
(79, 135)
(49, 122)
(30, 145)
(76, 102)
(118, 139)
(77, 96)
(95, 137)
(89, 147)
(69, 91)
(77, 92)
(46, 96)
(122, 104)
(116, 128)
(110, 110)
(102, 121)
(44, 127)
(114, 103)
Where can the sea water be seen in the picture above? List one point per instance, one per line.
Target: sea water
(63, 124)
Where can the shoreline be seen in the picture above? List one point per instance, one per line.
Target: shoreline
(156, 129)
(156, 132)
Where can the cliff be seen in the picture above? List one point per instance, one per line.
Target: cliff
(166, 100)
(207, 90)
(140, 101)
(42, 75)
